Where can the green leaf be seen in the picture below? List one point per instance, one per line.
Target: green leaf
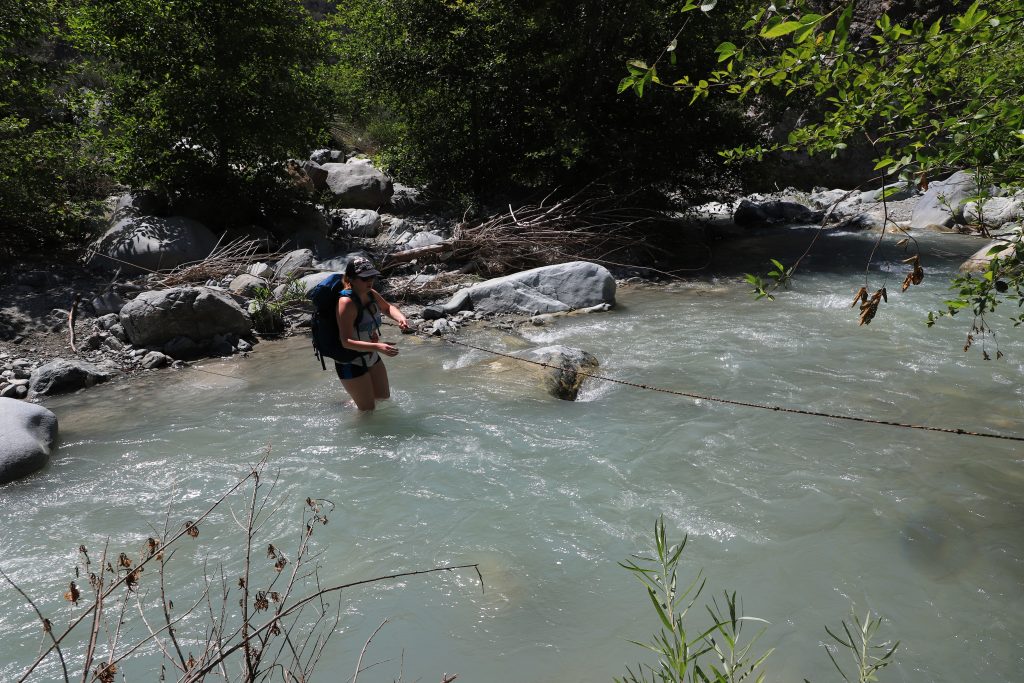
(779, 30)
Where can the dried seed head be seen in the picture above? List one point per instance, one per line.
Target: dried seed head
(281, 562)
(73, 594)
(124, 561)
(191, 529)
(105, 673)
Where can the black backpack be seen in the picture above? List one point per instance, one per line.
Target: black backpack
(324, 324)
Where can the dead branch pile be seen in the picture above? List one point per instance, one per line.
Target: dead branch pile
(436, 288)
(584, 226)
(233, 257)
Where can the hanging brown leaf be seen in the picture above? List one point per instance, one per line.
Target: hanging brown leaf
(275, 630)
(275, 596)
(191, 529)
(241, 582)
(152, 545)
(885, 295)
(281, 562)
(131, 579)
(261, 603)
(191, 663)
(907, 281)
(869, 308)
(73, 594)
(47, 626)
(917, 276)
(124, 561)
(860, 297)
(271, 551)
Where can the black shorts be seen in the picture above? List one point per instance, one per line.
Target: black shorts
(353, 370)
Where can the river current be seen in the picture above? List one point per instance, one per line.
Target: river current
(471, 462)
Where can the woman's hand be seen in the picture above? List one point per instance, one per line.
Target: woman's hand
(387, 349)
(403, 324)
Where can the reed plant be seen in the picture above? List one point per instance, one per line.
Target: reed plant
(721, 652)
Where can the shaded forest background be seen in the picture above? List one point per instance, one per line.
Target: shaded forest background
(476, 101)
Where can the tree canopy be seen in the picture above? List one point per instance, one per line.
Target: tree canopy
(206, 99)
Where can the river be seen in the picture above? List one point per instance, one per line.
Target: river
(471, 462)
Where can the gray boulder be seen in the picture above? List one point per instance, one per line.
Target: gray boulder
(358, 222)
(358, 186)
(292, 263)
(996, 211)
(146, 243)
(154, 359)
(771, 212)
(262, 270)
(421, 239)
(897, 192)
(182, 348)
(107, 303)
(29, 432)
(246, 284)
(548, 289)
(563, 377)
(942, 203)
(978, 261)
(140, 203)
(327, 156)
(306, 282)
(405, 199)
(61, 376)
(153, 318)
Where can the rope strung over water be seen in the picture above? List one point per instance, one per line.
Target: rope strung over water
(745, 404)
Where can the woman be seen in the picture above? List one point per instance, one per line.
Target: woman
(365, 378)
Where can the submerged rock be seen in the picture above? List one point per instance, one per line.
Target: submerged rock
(563, 379)
(29, 432)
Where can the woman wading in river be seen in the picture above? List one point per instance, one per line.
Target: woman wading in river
(359, 316)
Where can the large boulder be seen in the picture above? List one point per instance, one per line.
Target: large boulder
(548, 289)
(62, 376)
(199, 313)
(29, 432)
(942, 203)
(358, 222)
(358, 186)
(979, 261)
(996, 211)
(562, 377)
(293, 263)
(772, 212)
(147, 243)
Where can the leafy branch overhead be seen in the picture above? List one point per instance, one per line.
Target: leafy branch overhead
(928, 99)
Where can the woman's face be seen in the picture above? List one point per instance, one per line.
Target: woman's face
(362, 284)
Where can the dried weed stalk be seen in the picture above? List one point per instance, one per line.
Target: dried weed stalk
(280, 629)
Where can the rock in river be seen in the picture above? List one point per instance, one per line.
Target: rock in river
(29, 432)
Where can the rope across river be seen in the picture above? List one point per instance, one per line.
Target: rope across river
(746, 404)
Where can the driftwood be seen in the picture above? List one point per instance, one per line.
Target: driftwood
(222, 261)
(71, 322)
(584, 226)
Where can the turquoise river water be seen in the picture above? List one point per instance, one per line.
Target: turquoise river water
(472, 462)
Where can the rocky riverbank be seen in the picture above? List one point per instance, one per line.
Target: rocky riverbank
(103, 325)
